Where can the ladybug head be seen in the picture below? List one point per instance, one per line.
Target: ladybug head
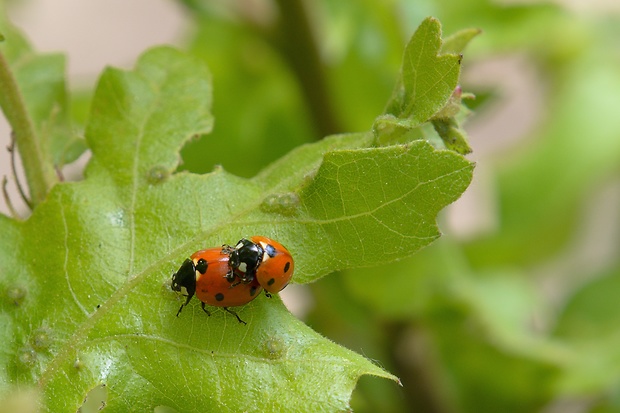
(184, 280)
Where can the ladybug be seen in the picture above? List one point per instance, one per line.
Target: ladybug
(260, 259)
(205, 275)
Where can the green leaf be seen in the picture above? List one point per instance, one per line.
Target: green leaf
(532, 232)
(41, 79)
(86, 277)
(104, 250)
(428, 90)
(453, 137)
(457, 42)
(377, 205)
(428, 77)
(588, 325)
(257, 133)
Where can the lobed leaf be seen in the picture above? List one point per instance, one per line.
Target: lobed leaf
(86, 277)
(428, 90)
(428, 76)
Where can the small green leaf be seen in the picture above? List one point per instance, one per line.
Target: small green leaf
(428, 77)
(453, 137)
(429, 86)
(457, 42)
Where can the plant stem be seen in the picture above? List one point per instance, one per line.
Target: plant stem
(418, 370)
(38, 168)
(298, 45)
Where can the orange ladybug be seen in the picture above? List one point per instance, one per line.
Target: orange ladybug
(260, 259)
(204, 274)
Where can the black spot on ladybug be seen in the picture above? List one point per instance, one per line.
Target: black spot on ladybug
(252, 291)
(202, 265)
(270, 250)
(219, 296)
(271, 281)
(287, 266)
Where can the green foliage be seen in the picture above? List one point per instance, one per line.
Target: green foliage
(39, 113)
(424, 90)
(518, 316)
(87, 302)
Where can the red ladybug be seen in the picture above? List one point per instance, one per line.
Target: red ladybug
(260, 259)
(205, 274)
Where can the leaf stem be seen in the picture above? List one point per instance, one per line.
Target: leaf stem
(11, 149)
(7, 200)
(38, 168)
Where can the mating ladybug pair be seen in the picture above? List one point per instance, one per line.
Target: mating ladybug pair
(232, 276)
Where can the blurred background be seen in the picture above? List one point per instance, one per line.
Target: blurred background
(517, 307)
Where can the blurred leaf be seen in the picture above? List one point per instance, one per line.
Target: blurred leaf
(362, 44)
(259, 110)
(542, 187)
(589, 325)
(457, 42)
(475, 324)
(41, 79)
(471, 362)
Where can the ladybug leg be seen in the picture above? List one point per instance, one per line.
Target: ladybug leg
(235, 314)
(230, 276)
(204, 309)
(248, 277)
(184, 304)
(268, 294)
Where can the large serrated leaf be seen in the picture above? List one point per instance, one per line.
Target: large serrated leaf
(93, 263)
(90, 269)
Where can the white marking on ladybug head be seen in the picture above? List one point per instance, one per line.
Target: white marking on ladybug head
(243, 267)
(265, 256)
